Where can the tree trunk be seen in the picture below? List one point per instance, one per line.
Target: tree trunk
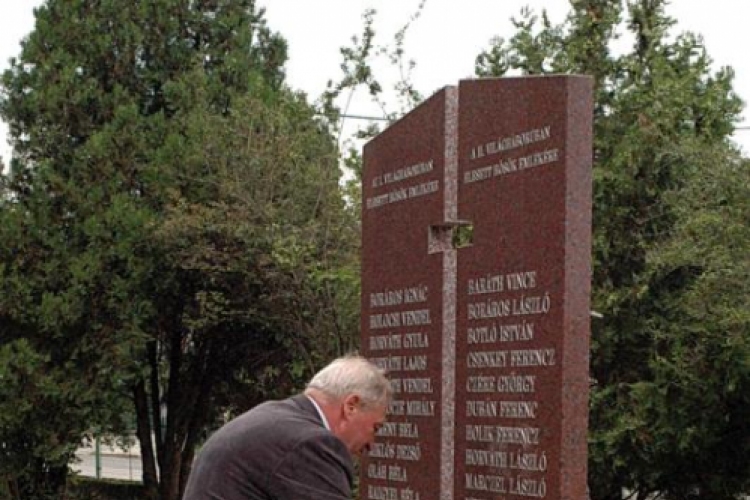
(194, 427)
(155, 414)
(186, 467)
(170, 478)
(13, 489)
(150, 478)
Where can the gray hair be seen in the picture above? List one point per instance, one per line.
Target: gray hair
(353, 374)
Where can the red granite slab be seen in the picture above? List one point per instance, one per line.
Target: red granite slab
(492, 388)
(404, 190)
(523, 288)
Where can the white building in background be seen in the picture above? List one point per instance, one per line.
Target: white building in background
(113, 462)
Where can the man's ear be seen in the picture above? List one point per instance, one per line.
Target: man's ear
(351, 403)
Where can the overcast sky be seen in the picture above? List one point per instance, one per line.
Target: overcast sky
(443, 42)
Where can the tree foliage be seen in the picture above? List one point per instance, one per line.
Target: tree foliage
(698, 400)
(173, 233)
(672, 348)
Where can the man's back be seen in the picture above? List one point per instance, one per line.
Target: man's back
(278, 450)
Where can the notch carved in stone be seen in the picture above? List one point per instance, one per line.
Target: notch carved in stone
(450, 235)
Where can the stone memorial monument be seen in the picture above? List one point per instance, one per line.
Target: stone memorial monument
(476, 233)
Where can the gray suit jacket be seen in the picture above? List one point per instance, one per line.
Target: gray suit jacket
(279, 450)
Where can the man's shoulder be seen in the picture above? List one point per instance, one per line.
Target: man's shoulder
(292, 415)
(295, 408)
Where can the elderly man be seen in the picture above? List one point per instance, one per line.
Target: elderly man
(300, 448)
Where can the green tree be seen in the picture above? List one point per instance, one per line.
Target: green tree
(254, 269)
(67, 333)
(697, 403)
(655, 106)
(172, 232)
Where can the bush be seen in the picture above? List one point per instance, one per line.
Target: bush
(84, 488)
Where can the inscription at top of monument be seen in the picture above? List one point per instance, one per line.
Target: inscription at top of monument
(511, 142)
(403, 173)
(402, 193)
(512, 164)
